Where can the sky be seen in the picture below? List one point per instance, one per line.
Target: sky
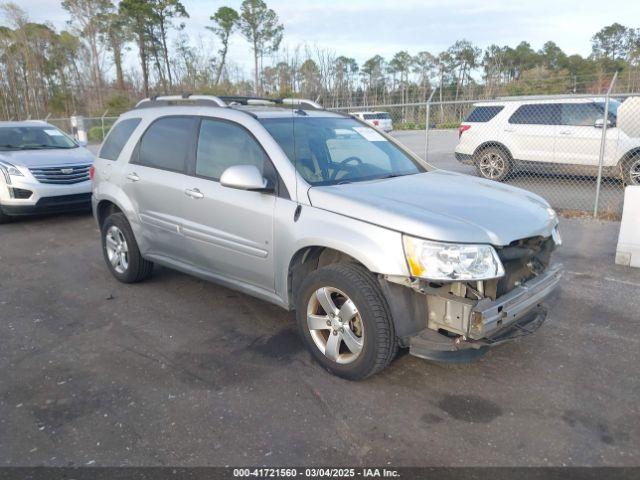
(363, 28)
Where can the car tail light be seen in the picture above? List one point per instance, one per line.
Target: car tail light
(92, 171)
(462, 129)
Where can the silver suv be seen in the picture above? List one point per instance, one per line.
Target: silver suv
(319, 213)
(42, 170)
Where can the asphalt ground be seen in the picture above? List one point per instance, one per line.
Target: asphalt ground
(177, 371)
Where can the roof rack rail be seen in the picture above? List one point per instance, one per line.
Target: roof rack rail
(248, 100)
(224, 101)
(302, 102)
(184, 99)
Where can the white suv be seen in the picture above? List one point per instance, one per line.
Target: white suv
(561, 135)
(381, 120)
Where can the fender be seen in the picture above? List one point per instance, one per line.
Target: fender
(379, 249)
(493, 143)
(109, 192)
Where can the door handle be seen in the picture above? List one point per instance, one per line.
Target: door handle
(509, 129)
(194, 193)
(565, 132)
(133, 177)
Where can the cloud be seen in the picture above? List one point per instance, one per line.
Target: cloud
(362, 28)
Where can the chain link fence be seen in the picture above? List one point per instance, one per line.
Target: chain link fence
(559, 147)
(96, 127)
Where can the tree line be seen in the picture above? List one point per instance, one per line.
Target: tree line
(82, 68)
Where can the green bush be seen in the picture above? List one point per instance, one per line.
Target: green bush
(408, 126)
(95, 133)
(118, 103)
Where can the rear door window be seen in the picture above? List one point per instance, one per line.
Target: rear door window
(483, 114)
(166, 143)
(581, 114)
(117, 138)
(537, 114)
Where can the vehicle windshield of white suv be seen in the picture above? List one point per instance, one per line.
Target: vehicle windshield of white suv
(329, 151)
(33, 138)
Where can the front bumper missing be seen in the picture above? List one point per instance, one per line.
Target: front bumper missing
(516, 314)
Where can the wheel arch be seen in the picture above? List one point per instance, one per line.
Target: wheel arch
(628, 155)
(310, 258)
(110, 198)
(492, 143)
(105, 208)
(625, 174)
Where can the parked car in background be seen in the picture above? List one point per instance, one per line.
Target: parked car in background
(381, 120)
(556, 135)
(42, 170)
(317, 212)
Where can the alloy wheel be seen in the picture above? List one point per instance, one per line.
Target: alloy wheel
(335, 325)
(492, 165)
(117, 249)
(634, 171)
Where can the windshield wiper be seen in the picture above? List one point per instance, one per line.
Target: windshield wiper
(45, 147)
(13, 147)
(391, 175)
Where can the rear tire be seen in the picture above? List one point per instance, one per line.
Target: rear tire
(494, 163)
(121, 252)
(356, 338)
(631, 170)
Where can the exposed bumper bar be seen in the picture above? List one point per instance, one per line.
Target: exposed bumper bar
(488, 317)
(516, 314)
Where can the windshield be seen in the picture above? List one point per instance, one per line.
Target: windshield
(328, 151)
(33, 138)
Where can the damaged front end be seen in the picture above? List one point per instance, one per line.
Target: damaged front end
(458, 321)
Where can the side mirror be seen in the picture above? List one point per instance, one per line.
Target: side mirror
(245, 177)
(599, 123)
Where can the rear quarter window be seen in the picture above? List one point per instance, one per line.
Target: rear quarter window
(117, 138)
(483, 114)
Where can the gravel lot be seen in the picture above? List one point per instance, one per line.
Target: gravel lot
(176, 371)
(568, 192)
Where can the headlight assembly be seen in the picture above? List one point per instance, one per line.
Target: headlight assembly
(450, 261)
(9, 170)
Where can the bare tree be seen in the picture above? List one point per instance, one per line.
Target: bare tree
(88, 18)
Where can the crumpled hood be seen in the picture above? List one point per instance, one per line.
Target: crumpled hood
(47, 158)
(442, 205)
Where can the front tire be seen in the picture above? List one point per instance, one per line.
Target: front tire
(121, 252)
(345, 322)
(631, 170)
(493, 163)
